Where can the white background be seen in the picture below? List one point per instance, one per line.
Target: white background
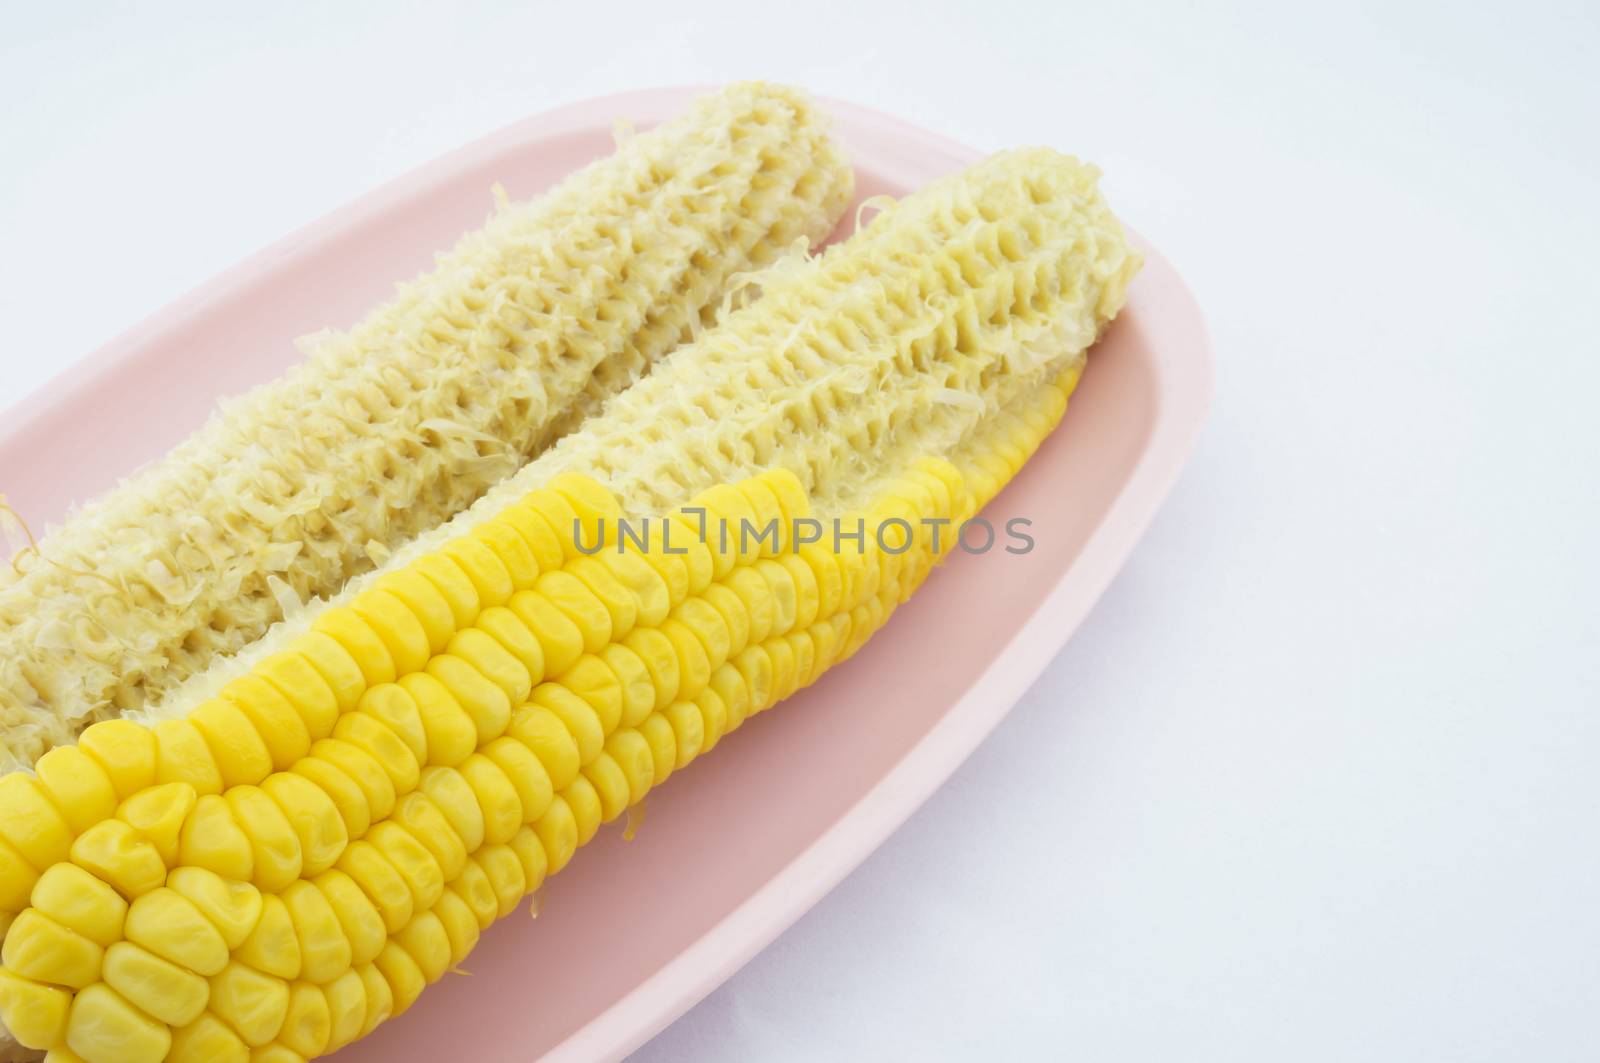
(1318, 778)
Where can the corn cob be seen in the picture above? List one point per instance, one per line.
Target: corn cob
(389, 429)
(287, 852)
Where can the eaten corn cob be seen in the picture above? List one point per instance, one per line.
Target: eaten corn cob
(399, 424)
(284, 853)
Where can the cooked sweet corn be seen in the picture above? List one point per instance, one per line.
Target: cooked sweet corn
(516, 336)
(497, 692)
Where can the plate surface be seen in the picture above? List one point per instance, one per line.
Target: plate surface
(732, 852)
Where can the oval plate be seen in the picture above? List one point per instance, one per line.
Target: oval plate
(732, 852)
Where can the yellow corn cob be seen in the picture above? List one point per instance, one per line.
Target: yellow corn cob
(458, 723)
(399, 424)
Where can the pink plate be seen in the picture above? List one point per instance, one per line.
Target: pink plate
(736, 849)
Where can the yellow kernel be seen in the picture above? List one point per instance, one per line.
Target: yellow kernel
(158, 987)
(489, 575)
(81, 903)
(497, 797)
(558, 833)
(31, 822)
(346, 627)
(450, 734)
(789, 493)
(563, 521)
(17, 878)
(755, 594)
(768, 516)
(653, 596)
(494, 662)
(233, 908)
(527, 775)
(278, 723)
(714, 720)
(272, 946)
(380, 998)
(804, 652)
(159, 814)
(636, 684)
(610, 783)
(362, 769)
(584, 801)
(783, 594)
(732, 609)
(460, 925)
(207, 1040)
(380, 881)
(826, 574)
(169, 925)
(485, 702)
(784, 668)
(511, 550)
(313, 817)
(404, 977)
(580, 605)
(540, 537)
(452, 584)
(701, 617)
(619, 602)
(119, 856)
(755, 667)
(477, 894)
(506, 628)
(417, 813)
(358, 916)
(631, 753)
(378, 741)
(543, 732)
(392, 705)
(239, 752)
(530, 851)
(688, 731)
(424, 602)
(402, 634)
(727, 514)
(807, 595)
(274, 847)
(315, 656)
(593, 680)
(307, 1026)
(342, 790)
(694, 667)
(324, 950)
(104, 1028)
(125, 751)
(275, 1053)
(347, 1009)
(427, 944)
(681, 535)
(78, 786)
(253, 1003)
(505, 875)
(559, 636)
(417, 867)
(663, 742)
(211, 839)
(457, 802)
(655, 652)
(183, 756)
(40, 948)
(592, 505)
(730, 685)
(35, 1014)
(575, 714)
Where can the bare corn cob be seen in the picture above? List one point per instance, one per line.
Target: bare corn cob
(395, 426)
(286, 854)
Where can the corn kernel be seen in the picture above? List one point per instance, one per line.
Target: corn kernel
(119, 856)
(78, 786)
(755, 594)
(158, 814)
(530, 852)
(536, 532)
(207, 1040)
(424, 602)
(511, 550)
(450, 734)
(653, 596)
(401, 633)
(709, 627)
(380, 998)
(275, 853)
(404, 977)
(543, 732)
(125, 751)
(417, 813)
(658, 733)
(457, 803)
(346, 627)
(489, 575)
(415, 864)
(253, 1004)
(493, 661)
(505, 875)
(578, 604)
(169, 925)
(158, 987)
(80, 902)
(584, 801)
(506, 628)
(735, 616)
(272, 946)
(688, 731)
(104, 1028)
(484, 701)
(347, 1009)
(211, 839)
(296, 673)
(183, 756)
(324, 950)
(426, 942)
(233, 908)
(621, 606)
(714, 716)
(453, 586)
(307, 1026)
(35, 1014)
(32, 823)
(637, 685)
(276, 720)
(593, 680)
(610, 783)
(240, 753)
(575, 714)
(383, 745)
(477, 894)
(561, 639)
(497, 797)
(362, 769)
(558, 833)
(313, 817)
(460, 925)
(380, 881)
(17, 878)
(358, 917)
